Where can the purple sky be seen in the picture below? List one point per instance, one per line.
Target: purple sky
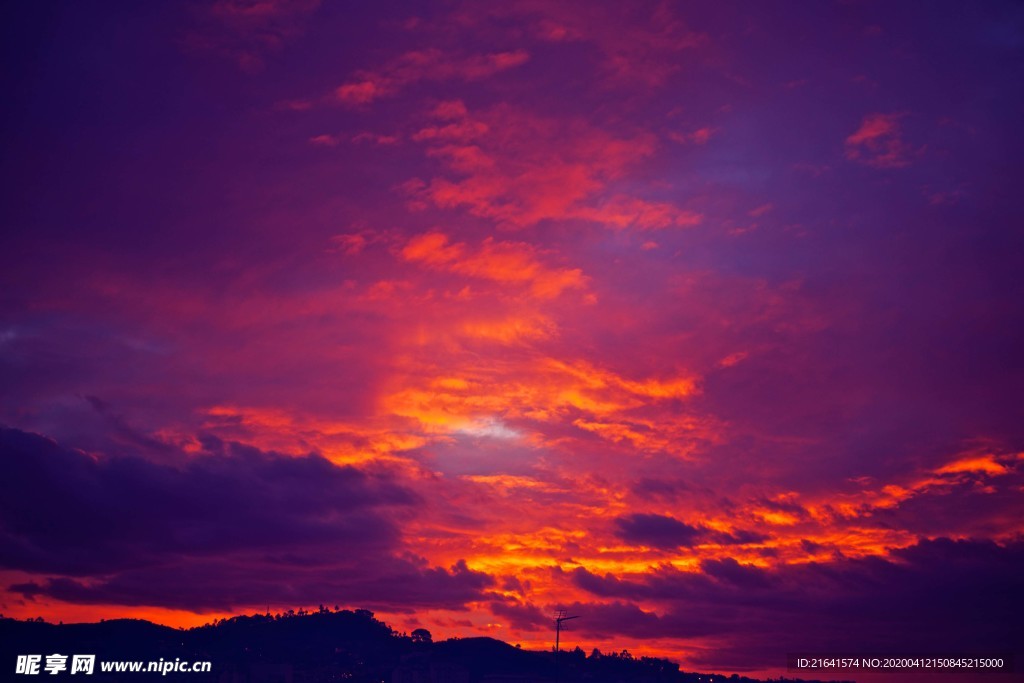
(703, 320)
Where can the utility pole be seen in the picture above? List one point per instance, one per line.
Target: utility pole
(559, 618)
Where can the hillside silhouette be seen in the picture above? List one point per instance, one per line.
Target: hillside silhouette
(329, 645)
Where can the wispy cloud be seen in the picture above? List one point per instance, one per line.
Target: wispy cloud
(429, 65)
(246, 31)
(519, 169)
(879, 142)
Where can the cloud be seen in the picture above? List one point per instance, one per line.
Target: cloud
(245, 31)
(639, 43)
(519, 169)
(324, 140)
(430, 64)
(941, 593)
(700, 136)
(546, 396)
(66, 512)
(375, 138)
(519, 615)
(879, 142)
(229, 527)
(664, 532)
(509, 263)
(234, 582)
(976, 491)
(658, 531)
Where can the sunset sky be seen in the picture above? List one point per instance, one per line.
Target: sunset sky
(704, 321)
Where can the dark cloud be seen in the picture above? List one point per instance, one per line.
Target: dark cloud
(662, 489)
(520, 615)
(729, 570)
(737, 537)
(67, 512)
(206, 584)
(606, 620)
(959, 595)
(810, 547)
(231, 526)
(656, 531)
(974, 505)
(668, 533)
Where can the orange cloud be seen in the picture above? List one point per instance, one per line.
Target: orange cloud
(974, 470)
(510, 329)
(295, 433)
(984, 464)
(548, 394)
(502, 262)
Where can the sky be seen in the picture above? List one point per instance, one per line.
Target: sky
(703, 321)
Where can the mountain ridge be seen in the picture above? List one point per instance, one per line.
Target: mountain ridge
(329, 645)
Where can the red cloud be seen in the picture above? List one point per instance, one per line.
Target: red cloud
(502, 262)
(879, 142)
(246, 30)
(324, 140)
(520, 169)
(697, 137)
(638, 43)
(424, 65)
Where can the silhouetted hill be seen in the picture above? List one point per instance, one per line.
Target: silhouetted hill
(482, 657)
(325, 645)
